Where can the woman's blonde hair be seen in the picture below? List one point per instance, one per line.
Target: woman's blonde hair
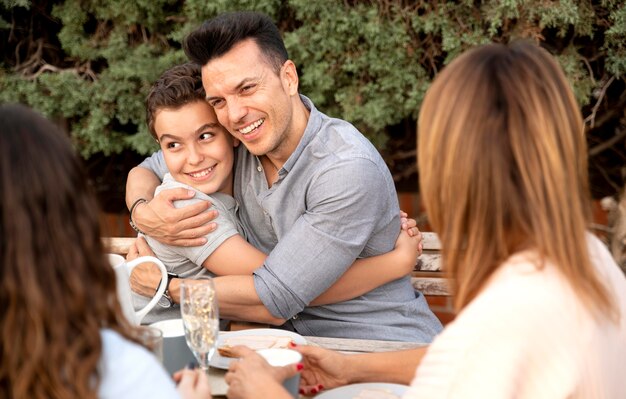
(503, 167)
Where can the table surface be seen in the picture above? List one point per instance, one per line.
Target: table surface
(219, 387)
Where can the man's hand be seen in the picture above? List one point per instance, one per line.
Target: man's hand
(185, 226)
(145, 278)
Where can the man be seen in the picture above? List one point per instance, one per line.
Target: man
(313, 193)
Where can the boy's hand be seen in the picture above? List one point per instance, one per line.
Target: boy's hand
(410, 226)
(185, 226)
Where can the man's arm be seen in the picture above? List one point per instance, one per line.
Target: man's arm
(237, 297)
(158, 218)
(351, 205)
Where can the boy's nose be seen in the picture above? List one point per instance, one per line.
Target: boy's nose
(195, 156)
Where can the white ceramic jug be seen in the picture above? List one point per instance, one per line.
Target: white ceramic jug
(122, 273)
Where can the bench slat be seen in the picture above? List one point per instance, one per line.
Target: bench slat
(437, 286)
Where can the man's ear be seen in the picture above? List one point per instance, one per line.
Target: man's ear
(289, 77)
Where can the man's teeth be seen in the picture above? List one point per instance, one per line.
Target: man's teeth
(202, 173)
(251, 127)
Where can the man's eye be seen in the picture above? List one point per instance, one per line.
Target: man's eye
(172, 145)
(247, 88)
(206, 136)
(216, 103)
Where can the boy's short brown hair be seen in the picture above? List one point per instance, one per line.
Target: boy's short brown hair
(178, 86)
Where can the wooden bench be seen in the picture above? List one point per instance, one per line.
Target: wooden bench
(427, 276)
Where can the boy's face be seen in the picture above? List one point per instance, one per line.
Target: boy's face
(198, 151)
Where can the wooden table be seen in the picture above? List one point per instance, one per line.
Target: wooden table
(219, 386)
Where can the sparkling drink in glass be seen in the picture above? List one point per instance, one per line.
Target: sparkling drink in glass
(199, 311)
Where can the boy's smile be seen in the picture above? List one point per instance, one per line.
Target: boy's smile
(198, 151)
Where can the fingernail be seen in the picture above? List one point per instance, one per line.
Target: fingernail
(320, 387)
(191, 193)
(300, 366)
(314, 390)
(292, 344)
(301, 391)
(192, 365)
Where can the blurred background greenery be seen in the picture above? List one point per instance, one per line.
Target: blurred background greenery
(88, 64)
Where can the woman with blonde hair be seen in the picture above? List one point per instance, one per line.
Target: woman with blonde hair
(541, 304)
(62, 331)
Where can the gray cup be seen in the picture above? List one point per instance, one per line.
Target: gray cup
(283, 357)
(176, 353)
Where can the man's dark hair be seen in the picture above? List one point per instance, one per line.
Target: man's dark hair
(216, 36)
(178, 86)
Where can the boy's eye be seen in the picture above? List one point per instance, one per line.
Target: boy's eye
(172, 145)
(206, 136)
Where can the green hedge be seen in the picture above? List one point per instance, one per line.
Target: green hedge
(89, 63)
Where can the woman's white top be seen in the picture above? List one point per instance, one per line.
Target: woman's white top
(129, 371)
(528, 335)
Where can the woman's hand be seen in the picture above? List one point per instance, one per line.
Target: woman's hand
(252, 377)
(323, 368)
(145, 278)
(193, 384)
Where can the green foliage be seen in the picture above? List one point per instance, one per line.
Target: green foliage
(370, 62)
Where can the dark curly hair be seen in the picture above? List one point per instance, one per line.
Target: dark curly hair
(178, 86)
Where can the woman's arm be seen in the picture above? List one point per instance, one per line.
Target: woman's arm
(330, 369)
(369, 273)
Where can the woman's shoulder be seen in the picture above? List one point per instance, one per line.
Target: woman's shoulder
(127, 370)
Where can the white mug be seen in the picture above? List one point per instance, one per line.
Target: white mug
(122, 274)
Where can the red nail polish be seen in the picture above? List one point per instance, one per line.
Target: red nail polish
(314, 390)
(300, 366)
(320, 387)
(292, 344)
(301, 391)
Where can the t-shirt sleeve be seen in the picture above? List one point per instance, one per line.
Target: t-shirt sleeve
(226, 224)
(226, 228)
(156, 164)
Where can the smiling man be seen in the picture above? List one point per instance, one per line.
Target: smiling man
(314, 194)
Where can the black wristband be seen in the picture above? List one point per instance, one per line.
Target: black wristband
(132, 208)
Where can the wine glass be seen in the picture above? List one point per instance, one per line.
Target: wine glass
(199, 311)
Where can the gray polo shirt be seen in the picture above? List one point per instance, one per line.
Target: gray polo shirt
(334, 201)
(187, 261)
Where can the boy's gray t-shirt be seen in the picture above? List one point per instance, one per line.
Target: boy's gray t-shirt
(187, 261)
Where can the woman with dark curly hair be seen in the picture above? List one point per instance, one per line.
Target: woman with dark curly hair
(62, 334)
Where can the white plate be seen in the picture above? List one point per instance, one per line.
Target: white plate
(350, 391)
(223, 362)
